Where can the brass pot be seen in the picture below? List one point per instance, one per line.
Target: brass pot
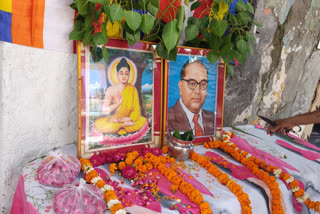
(180, 149)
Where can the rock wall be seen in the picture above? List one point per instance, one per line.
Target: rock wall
(38, 109)
(280, 79)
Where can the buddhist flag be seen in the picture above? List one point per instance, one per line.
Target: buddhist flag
(37, 23)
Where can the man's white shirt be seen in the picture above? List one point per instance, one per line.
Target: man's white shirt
(190, 116)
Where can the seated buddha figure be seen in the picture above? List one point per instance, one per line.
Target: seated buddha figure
(121, 103)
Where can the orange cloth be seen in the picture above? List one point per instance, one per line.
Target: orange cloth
(198, 130)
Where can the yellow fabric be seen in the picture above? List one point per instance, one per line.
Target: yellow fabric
(6, 5)
(129, 107)
(223, 8)
(113, 30)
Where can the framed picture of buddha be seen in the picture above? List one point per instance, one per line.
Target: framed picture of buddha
(194, 93)
(119, 100)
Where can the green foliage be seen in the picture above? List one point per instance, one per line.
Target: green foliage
(227, 35)
(186, 136)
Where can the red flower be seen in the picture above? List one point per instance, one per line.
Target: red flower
(129, 172)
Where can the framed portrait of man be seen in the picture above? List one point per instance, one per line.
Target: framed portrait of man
(119, 100)
(194, 90)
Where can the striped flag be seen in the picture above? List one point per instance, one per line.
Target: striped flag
(37, 23)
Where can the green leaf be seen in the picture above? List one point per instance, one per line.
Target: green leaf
(146, 23)
(177, 135)
(106, 9)
(133, 37)
(137, 6)
(212, 56)
(91, 8)
(241, 6)
(87, 37)
(242, 46)
(241, 57)
(82, 7)
(191, 32)
(143, 4)
(250, 8)
(116, 12)
(250, 37)
(256, 23)
(228, 56)
(96, 1)
(97, 15)
(204, 22)
(87, 22)
(76, 34)
(78, 24)
(105, 53)
(100, 38)
(192, 20)
(226, 1)
(233, 19)
(153, 7)
(133, 19)
(229, 70)
(73, 5)
(195, 5)
(164, 53)
(219, 27)
(188, 138)
(170, 35)
(215, 42)
(244, 18)
(180, 18)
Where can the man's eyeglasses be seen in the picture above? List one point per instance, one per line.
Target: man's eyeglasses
(192, 84)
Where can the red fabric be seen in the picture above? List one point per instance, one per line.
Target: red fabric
(170, 14)
(197, 127)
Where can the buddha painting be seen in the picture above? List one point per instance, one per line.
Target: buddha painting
(121, 104)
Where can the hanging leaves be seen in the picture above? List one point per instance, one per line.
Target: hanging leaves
(227, 36)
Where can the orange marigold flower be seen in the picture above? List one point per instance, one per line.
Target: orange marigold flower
(141, 168)
(206, 145)
(84, 162)
(115, 208)
(263, 164)
(307, 202)
(92, 174)
(121, 165)
(216, 144)
(204, 205)
(137, 162)
(293, 184)
(171, 160)
(100, 184)
(113, 167)
(109, 195)
(210, 144)
(317, 206)
(149, 166)
(285, 176)
(311, 205)
(165, 150)
(299, 193)
(194, 156)
(129, 161)
(173, 188)
(223, 178)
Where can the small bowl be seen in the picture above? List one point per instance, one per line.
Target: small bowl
(180, 149)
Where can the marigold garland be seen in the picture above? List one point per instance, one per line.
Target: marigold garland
(151, 161)
(110, 196)
(253, 164)
(235, 188)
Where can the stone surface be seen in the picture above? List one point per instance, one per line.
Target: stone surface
(280, 79)
(39, 108)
